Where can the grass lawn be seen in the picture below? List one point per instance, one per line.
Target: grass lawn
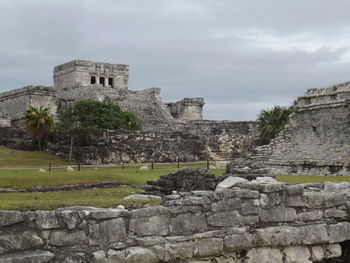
(110, 197)
(19, 169)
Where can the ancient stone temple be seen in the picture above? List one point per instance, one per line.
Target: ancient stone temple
(79, 79)
(317, 139)
(175, 123)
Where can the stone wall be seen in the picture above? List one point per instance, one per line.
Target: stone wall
(132, 147)
(224, 139)
(14, 103)
(187, 109)
(252, 223)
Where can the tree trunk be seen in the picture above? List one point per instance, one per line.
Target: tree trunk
(71, 148)
(39, 142)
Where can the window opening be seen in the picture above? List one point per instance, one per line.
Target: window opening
(110, 82)
(102, 81)
(93, 80)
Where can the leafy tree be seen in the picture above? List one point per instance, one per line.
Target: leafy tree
(39, 123)
(272, 121)
(86, 117)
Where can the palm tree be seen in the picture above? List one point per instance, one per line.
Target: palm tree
(272, 121)
(39, 123)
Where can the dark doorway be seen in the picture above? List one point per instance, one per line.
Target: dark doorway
(102, 81)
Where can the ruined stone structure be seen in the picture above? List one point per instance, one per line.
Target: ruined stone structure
(316, 141)
(78, 80)
(247, 223)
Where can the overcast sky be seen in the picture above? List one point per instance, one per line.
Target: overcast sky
(240, 55)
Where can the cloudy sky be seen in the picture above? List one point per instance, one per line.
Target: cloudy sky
(240, 55)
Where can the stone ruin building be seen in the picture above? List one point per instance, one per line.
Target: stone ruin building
(173, 129)
(316, 140)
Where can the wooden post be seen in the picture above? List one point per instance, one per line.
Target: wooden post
(50, 167)
(208, 164)
(79, 167)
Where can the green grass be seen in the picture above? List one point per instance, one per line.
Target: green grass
(110, 197)
(13, 158)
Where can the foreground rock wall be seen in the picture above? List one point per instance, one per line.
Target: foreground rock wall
(253, 223)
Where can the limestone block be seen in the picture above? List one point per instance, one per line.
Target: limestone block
(339, 232)
(317, 253)
(153, 225)
(183, 250)
(314, 234)
(251, 207)
(150, 241)
(333, 251)
(210, 246)
(10, 217)
(37, 256)
(226, 204)
(324, 199)
(296, 201)
(230, 182)
(335, 213)
(296, 254)
(138, 254)
(99, 257)
(278, 236)
(278, 214)
(66, 239)
(113, 230)
(116, 256)
(230, 218)
(264, 255)
(238, 242)
(150, 211)
(106, 213)
(46, 220)
(188, 223)
(310, 216)
(20, 241)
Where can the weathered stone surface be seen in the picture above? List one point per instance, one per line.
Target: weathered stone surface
(296, 254)
(339, 232)
(238, 242)
(28, 257)
(66, 239)
(138, 254)
(153, 225)
(183, 250)
(113, 230)
(46, 220)
(278, 214)
(230, 182)
(20, 241)
(264, 255)
(310, 216)
(10, 217)
(210, 246)
(188, 223)
(143, 197)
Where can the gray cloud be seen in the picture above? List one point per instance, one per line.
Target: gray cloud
(241, 56)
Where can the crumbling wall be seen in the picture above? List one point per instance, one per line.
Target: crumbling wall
(317, 139)
(253, 223)
(131, 147)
